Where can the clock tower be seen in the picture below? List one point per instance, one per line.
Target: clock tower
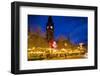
(50, 29)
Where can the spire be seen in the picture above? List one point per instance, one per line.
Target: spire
(50, 20)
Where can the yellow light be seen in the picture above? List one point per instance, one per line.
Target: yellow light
(29, 49)
(63, 49)
(33, 48)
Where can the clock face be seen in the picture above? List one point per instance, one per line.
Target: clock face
(47, 27)
(51, 27)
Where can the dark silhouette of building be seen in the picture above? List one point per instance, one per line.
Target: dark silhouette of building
(50, 29)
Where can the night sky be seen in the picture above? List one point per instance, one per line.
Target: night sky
(75, 28)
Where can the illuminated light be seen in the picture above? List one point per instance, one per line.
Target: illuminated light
(33, 48)
(51, 27)
(76, 51)
(72, 53)
(78, 47)
(31, 52)
(54, 45)
(48, 49)
(63, 49)
(81, 45)
(29, 49)
(39, 52)
(65, 44)
(54, 50)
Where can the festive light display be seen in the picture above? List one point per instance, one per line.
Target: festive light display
(45, 47)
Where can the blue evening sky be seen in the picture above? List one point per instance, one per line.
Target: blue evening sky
(72, 27)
